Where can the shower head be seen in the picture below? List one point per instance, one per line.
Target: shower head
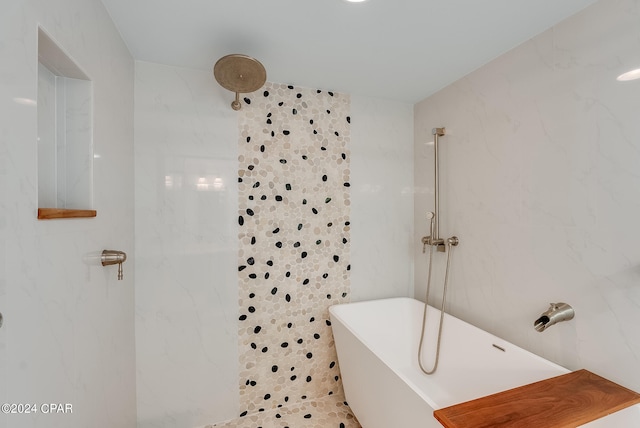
(240, 74)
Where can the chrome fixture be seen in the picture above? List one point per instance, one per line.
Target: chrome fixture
(239, 74)
(434, 230)
(437, 132)
(441, 245)
(557, 312)
(114, 257)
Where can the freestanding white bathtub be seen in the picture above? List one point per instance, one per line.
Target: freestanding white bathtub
(377, 345)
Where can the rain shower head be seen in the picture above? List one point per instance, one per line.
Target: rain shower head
(240, 74)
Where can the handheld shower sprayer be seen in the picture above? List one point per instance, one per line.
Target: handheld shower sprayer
(431, 217)
(433, 240)
(426, 240)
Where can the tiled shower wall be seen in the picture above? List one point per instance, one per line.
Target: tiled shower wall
(188, 285)
(68, 325)
(540, 182)
(294, 236)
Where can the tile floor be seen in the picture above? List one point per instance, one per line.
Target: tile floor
(328, 412)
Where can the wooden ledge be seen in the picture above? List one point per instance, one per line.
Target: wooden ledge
(564, 401)
(51, 213)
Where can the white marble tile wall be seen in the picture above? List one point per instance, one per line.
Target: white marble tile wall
(47, 179)
(540, 182)
(186, 248)
(4, 367)
(65, 143)
(382, 198)
(68, 333)
(186, 241)
(77, 152)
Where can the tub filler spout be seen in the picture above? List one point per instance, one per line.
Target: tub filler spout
(557, 312)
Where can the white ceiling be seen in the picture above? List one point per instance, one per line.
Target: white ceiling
(396, 49)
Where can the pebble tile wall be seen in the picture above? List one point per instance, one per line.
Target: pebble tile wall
(327, 412)
(293, 260)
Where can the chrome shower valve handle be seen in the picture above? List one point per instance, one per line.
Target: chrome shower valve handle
(114, 257)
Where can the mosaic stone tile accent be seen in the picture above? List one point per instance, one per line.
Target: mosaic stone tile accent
(328, 412)
(293, 259)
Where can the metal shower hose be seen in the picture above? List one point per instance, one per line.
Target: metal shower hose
(424, 316)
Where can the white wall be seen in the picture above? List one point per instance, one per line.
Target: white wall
(186, 241)
(381, 198)
(540, 182)
(68, 333)
(186, 248)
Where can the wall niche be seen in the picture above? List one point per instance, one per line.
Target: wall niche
(65, 134)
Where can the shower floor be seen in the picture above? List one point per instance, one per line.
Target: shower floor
(327, 412)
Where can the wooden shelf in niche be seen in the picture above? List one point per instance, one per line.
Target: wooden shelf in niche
(65, 133)
(53, 213)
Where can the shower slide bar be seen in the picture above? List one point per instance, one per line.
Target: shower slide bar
(441, 245)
